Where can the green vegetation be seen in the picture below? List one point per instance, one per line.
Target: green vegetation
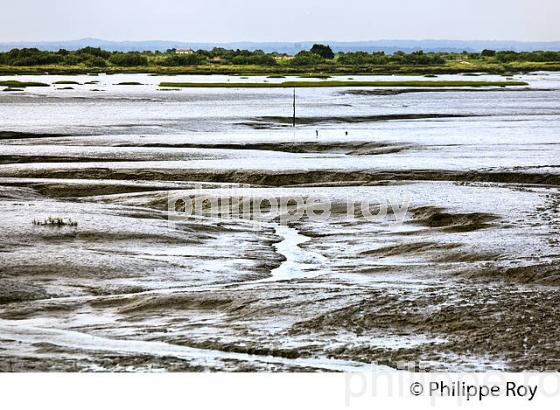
(129, 60)
(319, 60)
(314, 84)
(178, 60)
(323, 51)
(66, 82)
(19, 84)
(319, 76)
(130, 83)
(307, 58)
(56, 221)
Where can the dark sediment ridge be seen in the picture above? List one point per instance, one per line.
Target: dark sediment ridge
(13, 135)
(286, 178)
(452, 222)
(279, 120)
(440, 90)
(307, 147)
(33, 159)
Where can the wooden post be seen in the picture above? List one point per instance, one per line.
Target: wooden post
(294, 118)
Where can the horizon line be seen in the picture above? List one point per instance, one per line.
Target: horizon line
(277, 41)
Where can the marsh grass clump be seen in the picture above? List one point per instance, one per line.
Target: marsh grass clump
(130, 83)
(21, 84)
(11, 89)
(314, 84)
(318, 76)
(56, 221)
(66, 82)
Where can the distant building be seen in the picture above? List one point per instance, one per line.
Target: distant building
(184, 51)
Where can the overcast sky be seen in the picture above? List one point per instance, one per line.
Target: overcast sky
(280, 20)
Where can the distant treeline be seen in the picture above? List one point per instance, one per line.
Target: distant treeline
(318, 55)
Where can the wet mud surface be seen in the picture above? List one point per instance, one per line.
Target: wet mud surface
(452, 264)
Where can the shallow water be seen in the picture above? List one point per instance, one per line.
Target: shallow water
(465, 278)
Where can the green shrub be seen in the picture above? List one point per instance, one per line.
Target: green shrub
(323, 51)
(96, 52)
(129, 60)
(304, 58)
(94, 61)
(177, 60)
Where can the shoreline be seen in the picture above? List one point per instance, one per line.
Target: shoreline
(319, 84)
(278, 71)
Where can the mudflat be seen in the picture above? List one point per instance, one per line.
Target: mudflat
(440, 246)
